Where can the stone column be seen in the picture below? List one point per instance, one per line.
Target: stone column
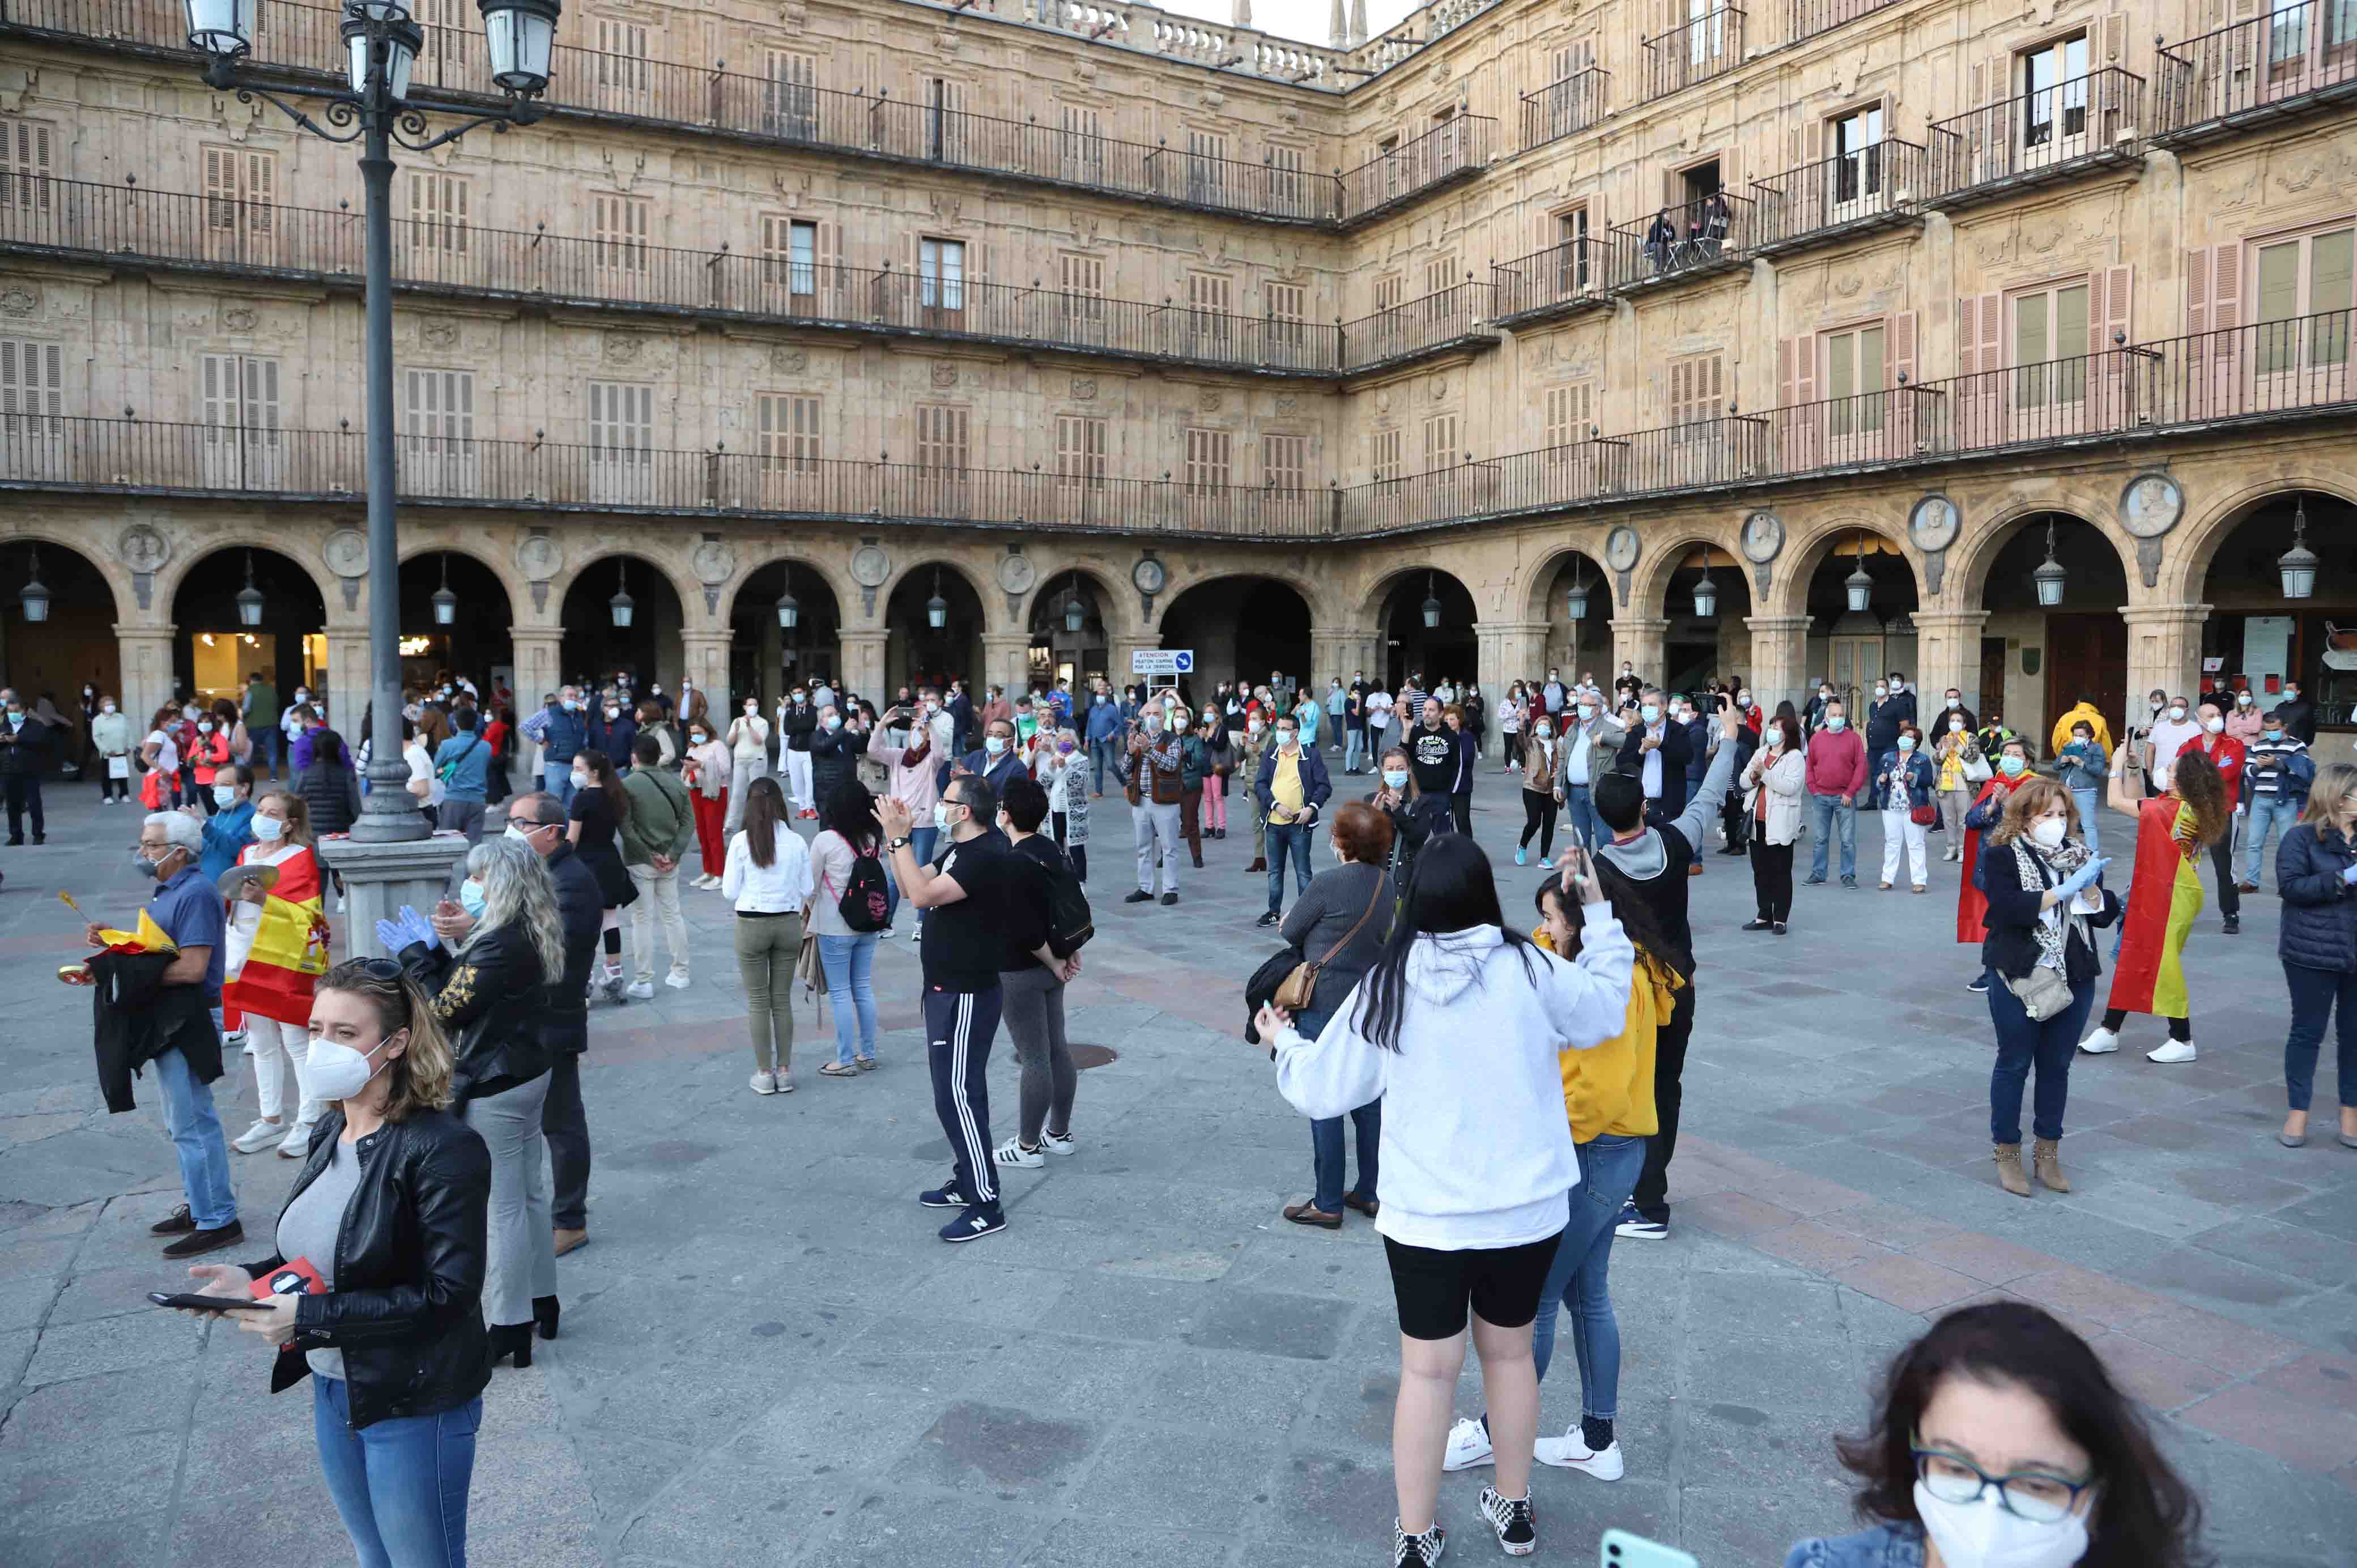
(537, 650)
(1779, 646)
(1948, 653)
(1334, 651)
(351, 683)
(1122, 647)
(863, 663)
(1006, 659)
(2165, 646)
(707, 654)
(146, 653)
(1509, 651)
(1642, 641)
(379, 878)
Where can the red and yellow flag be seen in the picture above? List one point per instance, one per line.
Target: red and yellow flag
(289, 952)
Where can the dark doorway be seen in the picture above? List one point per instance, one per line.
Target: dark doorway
(2085, 653)
(1450, 650)
(1992, 692)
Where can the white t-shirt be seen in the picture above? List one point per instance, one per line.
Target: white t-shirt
(2169, 738)
(1379, 710)
(167, 756)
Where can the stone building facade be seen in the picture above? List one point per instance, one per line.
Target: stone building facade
(1203, 337)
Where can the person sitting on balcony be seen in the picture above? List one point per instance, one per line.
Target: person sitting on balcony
(1660, 240)
(1716, 221)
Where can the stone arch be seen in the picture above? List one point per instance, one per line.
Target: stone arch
(187, 554)
(2187, 567)
(1313, 593)
(113, 572)
(498, 564)
(1649, 584)
(683, 580)
(1797, 564)
(1534, 592)
(846, 592)
(1387, 582)
(1119, 599)
(1967, 585)
(924, 561)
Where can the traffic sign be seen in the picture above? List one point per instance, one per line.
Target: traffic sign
(1162, 662)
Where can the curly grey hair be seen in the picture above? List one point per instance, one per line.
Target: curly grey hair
(517, 890)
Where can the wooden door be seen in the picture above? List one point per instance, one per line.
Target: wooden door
(1992, 691)
(2086, 653)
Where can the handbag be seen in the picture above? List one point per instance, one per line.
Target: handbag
(1294, 993)
(1923, 816)
(2042, 992)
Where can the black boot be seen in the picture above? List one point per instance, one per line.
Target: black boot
(545, 1309)
(511, 1339)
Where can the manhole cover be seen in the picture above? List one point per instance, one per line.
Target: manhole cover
(1086, 1057)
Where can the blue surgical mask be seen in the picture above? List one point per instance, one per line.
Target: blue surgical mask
(1395, 778)
(471, 898)
(994, 744)
(1835, 721)
(1650, 713)
(1906, 743)
(941, 816)
(2272, 734)
(268, 830)
(141, 863)
(2010, 765)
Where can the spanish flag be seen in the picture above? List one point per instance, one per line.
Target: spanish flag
(289, 952)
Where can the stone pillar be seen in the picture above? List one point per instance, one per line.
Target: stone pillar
(379, 878)
(1779, 646)
(2164, 648)
(1123, 648)
(537, 650)
(707, 655)
(1948, 653)
(1006, 659)
(146, 653)
(863, 664)
(1334, 651)
(351, 683)
(1642, 641)
(1510, 650)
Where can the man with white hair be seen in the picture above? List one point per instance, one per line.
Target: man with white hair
(189, 910)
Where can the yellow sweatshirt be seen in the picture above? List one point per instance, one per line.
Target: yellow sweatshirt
(1610, 1089)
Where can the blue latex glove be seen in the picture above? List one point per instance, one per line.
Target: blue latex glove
(2348, 875)
(404, 929)
(2073, 884)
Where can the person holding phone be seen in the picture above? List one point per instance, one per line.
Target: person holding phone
(2163, 900)
(390, 1209)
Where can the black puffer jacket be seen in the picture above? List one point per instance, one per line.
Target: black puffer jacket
(489, 999)
(408, 1308)
(581, 911)
(331, 791)
(2319, 914)
(834, 760)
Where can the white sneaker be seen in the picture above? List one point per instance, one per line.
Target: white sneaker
(1058, 1143)
(641, 989)
(259, 1136)
(1571, 1452)
(2171, 1051)
(2101, 1043)
(675, 980)
(763, 1084)
(297, 1144)
(1469, 1444)
(1012, 1153)
(236, 1040)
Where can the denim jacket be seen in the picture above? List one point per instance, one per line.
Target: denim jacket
(2084, 765)
(1884, 1546)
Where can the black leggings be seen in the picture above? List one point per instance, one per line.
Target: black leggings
(1514, 748)
(1772, 878)
(2179, 1028)
(1539, 808)
(613, 942)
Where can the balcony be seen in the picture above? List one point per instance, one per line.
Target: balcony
(1694, 240)
(1442, 322)
(1548, 284)
(2299, 60)
(117, 224)
(2058, 132)
(1564, 108)
(1874, 187)
(1451, 152)
(1695, 51)
(1807, 18)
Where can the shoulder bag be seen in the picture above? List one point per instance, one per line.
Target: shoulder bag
(1295, 992)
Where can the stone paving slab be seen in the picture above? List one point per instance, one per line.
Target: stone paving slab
(768, 1358)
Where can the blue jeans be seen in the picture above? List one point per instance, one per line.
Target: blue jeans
(2267, 814)
(1284, 839)
(1824, 812)
(1580, 809)
(556, 778)
(849, 962)
(1581, 1278)
(269, 745)
(1100, 761)
(195, 1130)
(2313, 993)
(2089, 803)
(400, 1483)
(1354, 749)
(2022, 1042)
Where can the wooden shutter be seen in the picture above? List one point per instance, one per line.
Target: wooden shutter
(24, 165)
(2197, 290)
(2109, 293)
(2226, 286)
(1805, 354)
(1787, 383)
(1980, 326)
(1899, 350)
(32, 378)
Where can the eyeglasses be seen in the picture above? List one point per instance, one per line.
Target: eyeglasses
(2033, 1495)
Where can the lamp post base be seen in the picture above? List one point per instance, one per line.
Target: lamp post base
(379, 878)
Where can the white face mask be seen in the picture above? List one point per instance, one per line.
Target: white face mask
(225, 794)
(269, 830)
(2177, 715)
(1883, 690)
(106, 707)
(2213, 725)
(580, 780)
(1982, 1534)
(336, 1071)
(1955, 726)
(2047, 832)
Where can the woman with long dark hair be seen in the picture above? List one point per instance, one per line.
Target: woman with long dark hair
(594, 826)
(328, 784)
(846, 952)
(767, 881)
(2000, 1437)
(1458, 1026)
(2164, 899)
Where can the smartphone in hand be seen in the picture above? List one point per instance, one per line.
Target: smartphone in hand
(189, 1302)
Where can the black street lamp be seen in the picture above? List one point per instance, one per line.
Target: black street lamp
(445, 602)
(1576, 602)
(1859, 584)
(621, 604)
(249, 602)
(1075, 616)
(2050, 576)
(937, 608)
(34, 595)
(790, 611)
(376, 110)
(1705, 594)
(1431, 603)
(2297, 563)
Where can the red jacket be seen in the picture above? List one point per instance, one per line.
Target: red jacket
(1836, 761)
(2229, 754)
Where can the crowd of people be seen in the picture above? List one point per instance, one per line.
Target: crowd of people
(422, 1091)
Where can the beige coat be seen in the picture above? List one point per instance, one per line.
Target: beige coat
(1785, 779)
(1541, 761)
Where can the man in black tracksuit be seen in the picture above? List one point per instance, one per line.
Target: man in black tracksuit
(1432, 751)
(1654, 859)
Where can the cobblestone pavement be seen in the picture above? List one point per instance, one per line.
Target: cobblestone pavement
(768, 1358)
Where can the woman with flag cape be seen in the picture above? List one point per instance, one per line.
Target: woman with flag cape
(277, 949)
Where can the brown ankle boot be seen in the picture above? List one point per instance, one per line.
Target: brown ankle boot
(2009, 1174)
(2046, 1158)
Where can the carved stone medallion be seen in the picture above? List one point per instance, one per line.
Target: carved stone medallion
(1933, 522)
(1015, 573)
(142, 548)
(2151, 505)
(870, 567)
(1763, 537)
(345, 553)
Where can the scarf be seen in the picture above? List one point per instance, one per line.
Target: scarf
(2054, 927)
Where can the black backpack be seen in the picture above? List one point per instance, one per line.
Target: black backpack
(867, 902)
(1070, 924)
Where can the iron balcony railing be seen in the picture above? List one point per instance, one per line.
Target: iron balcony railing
(1554, 282)
(1696, 50)
(1807, 18)
(1459, 314)
(1457, 148)
(2293, 369)
(1705, 235)
(2299, 58)
(1563, 107)
(122, 222)
(1868, 189)
(2087, 122)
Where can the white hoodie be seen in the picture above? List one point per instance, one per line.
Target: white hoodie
(1476, 1146)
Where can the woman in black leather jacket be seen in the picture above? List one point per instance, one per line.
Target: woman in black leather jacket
(488, 994)
(389, 1209)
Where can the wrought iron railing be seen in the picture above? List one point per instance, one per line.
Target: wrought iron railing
(1704, 235)
(1457, 146)
(1451, 315)
(124, 222)
(1560, 278)
(1563, 107)
(2301, 55)
(2087, 121)
(1831, 196)
(1807, 18)
(1696, 50)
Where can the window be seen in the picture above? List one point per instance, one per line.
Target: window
(802, 256)
(240, 186)
(1207, 168)
(1207, 292)
(238, 406)
(1387, 155)
(945, 118)
(1440, 275)
(1207, 460)
(1698, 393)
(1387, 292)
(787, 424)
(2050, 345)
(2054, 86)
(24, 165)
(620, 225)
(1083, 145)
(1081, 452)
(437, 214)
(1287, 318)
(790, 98)
(1853, 362)
(2293, 29)
(621, 421)
(1440, 441)
(1284, 462)
(1699, 183)
(1386, 447)
(940, 275)
(1706, 33)
(1083, 283)
(1858, 154)
(438, 412)
(32, 385)
(799, 259)
(622, 69)
(2306, 277)
(1209, 320)
(942, 438)
(1567, 415)
(1285, 185)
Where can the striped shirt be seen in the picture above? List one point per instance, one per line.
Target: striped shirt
(2268, 769)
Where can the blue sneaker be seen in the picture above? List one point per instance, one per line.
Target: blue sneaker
(1637, 1228)
(1521, 857)
(945, 1195)
(975, 1224)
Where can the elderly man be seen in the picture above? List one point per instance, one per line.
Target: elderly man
(562, 732)
(1655, 750)
(180, 1033)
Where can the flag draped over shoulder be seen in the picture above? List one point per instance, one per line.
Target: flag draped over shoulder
(289, 952)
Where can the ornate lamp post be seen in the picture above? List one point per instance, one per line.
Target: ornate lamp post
(377, 110)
